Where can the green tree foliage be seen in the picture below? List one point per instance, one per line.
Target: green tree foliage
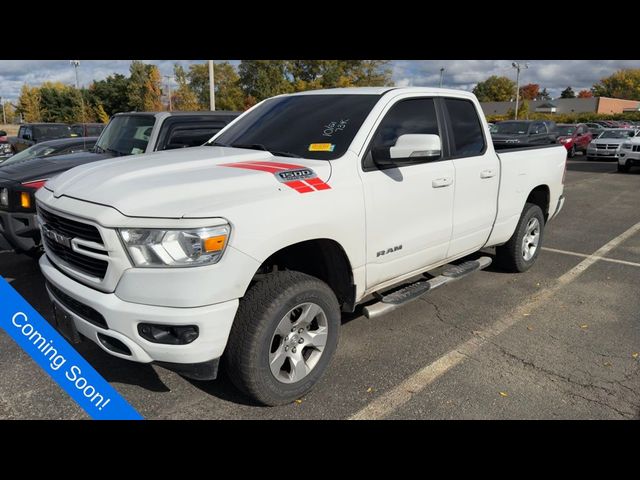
(544, 95)
(112, 93)
(229, 95)
(568, 93)
(312, 74)
(264, 78)
(143, 89)
(8, 111)
(495, 89)
(64, 103)
(29, 104)
(184, 98)
(622, 84)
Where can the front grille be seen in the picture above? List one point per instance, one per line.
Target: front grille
(70, 228)
(89, 265)
(79, 308)
(607, 146)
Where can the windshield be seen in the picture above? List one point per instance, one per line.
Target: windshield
(31, 152)
(126, 135)
(51, 131)
(565, 130)
(617, 134)
(311, 126)
(511, 128)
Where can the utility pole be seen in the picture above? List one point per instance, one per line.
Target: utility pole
(4, 112)
(76, 64)
(169, 77)
(212, 95)
(441, 76)
(518, 67)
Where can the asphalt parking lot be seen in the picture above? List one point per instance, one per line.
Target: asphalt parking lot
(560, 341)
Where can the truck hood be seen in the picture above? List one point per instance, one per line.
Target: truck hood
(46, 167)
(191, 183)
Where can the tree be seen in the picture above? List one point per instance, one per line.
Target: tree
(64, 103)
(585, 94)
(29, 104)
(228, 93)
(263, 78)
(568, 93)
(101, 114)
(8, 112)
(495, 89)
(544, 95)
(529, 91)
(311, 74)
(184, 98)
(143, 89)
(622, 84)
(112, 93)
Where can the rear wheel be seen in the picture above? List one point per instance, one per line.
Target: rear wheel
(522, 250)
(283, 338)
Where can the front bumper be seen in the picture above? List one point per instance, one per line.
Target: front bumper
(629, 158)
(122, 319)
(20, 229)
(609, 154)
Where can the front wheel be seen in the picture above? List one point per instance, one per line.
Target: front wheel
(522, 250)
(623, 168)
(283, 338)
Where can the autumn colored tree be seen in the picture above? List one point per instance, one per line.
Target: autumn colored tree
(568, 93)
(8, 111)
(101, 114)
(184, 98)
(622, 84)
(529, 91)
(585, 94)
(29, 104)
(495, 89)
(143, 89)
(312, 74)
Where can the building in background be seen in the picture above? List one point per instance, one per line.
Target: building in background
(603, 105)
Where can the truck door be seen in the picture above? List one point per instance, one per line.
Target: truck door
(409, 204)
(477, 171)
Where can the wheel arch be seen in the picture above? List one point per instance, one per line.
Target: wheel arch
(541, 196)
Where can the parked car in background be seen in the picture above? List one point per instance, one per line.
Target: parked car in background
(595, 128)
(575, 138)
(608, 144)
(87, 129)
(5, 146)
(629, 155)
(51, 148)
(522, 133)
(126, 134)
(32, 133)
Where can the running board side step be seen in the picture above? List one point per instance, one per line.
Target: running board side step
(407, 294)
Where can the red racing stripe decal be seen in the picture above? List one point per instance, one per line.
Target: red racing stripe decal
(299, 186)
(249, 166)
(317, 184)
(287, 166)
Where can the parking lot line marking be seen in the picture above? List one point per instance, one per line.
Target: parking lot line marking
(584, 255)
(390, 401)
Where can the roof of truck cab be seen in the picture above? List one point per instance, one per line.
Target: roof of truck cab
(382, 91)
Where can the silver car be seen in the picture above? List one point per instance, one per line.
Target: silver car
(607, 145)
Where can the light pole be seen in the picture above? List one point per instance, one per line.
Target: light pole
(441, 76)
(518, 66)
(169, 77)
(76, 64)
(4, 113)
(212, 95)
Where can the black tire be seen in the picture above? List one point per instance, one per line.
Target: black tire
(572, 151)
(623, 168)
(34, 253)
(266, 303)
(509, 256)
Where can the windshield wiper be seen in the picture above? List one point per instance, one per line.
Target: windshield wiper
(115, 152)
(259, 146)
(98, 149)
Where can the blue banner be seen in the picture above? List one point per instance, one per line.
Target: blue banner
(59, 359)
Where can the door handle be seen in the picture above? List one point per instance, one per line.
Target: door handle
(442, 182)
(487, 173)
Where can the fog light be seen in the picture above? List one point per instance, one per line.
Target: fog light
(4, 197)
(168, 334)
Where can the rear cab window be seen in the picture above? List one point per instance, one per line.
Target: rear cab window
(465, 128)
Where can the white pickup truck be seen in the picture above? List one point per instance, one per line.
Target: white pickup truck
(248, 248)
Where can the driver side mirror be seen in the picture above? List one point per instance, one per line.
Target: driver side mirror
(409, 148)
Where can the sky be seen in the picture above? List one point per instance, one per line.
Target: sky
(555, 75)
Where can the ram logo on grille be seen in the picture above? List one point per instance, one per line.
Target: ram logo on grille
(56, 237)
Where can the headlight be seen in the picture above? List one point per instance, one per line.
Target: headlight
(626, 146)
(150, 247)
(4, 197)
(565, 140)
(5, 148)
